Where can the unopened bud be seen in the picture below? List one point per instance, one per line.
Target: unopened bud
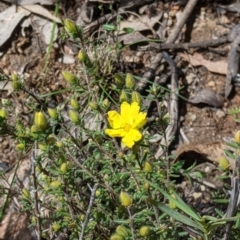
(130, 82)
(125, 199)
(34, 129)
(93, 105)
(3, 113)
(144, 231)
(42, 146)
(40, 121)
(64, 168)
(121, 230)
(14, 77)
(69, 77)
(70, 26)
(74, 117)
(59, 144)
(237, 137)
(25, 194)
(55, 184)
(53, 113)
(123, 97)
(105, 103)
(136, 97)
(16, 85)
(119, 80)
(20, 146)
(84, 58)
(116, 236)
(74, 103)
(224, 163)
(147, 167)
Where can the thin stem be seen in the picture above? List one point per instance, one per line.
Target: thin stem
(36, 205)
(131, 222)
(90, 205)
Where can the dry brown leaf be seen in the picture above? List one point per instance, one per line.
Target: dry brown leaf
(197, 60)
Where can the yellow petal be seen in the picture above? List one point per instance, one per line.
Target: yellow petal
(129, 112)
(140, 120)
(115, 119)
(131, 137)
(114, 132)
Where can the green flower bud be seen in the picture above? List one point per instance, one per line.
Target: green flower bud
(136, 97)
(119, 80)
(69, 77)
(53, 113)
(144, 231)
(123, 97)
(20, 146)
(237, 137)
(130, 82)
(25, 194)
(3, 113)
(116, 236)
(93, 105)
(51, 140)
(125, 199)
(34, 129)
(16, 85)
(84, 58)
(224, 163)
(64, 168)
(14, 77)
(74, 117)
(59, 144)
(74, 103)
(121, 230)
(147, 167)
(42, 146)
(105, 103)
(70, 26)
(55, 184)
(40, 121)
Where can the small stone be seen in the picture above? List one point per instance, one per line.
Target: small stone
(190, 78)
(212, 84)
(197, 195)
(220, 113)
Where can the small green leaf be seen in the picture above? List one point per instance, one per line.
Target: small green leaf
(128, 30)
(109, 27)
(176, 215)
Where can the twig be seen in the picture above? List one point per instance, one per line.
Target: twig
(173, 111)
(186, 46)
(36, 207)
(84, 225)
(131, 222)
(233, 60)
(178, 28)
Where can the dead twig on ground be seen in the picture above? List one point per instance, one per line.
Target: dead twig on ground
(173, 111)
(233, 59)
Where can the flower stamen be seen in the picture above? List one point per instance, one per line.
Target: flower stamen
(127, 127)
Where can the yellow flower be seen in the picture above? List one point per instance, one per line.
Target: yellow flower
(127, 124)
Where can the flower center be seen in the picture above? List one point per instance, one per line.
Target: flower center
(127, 127)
